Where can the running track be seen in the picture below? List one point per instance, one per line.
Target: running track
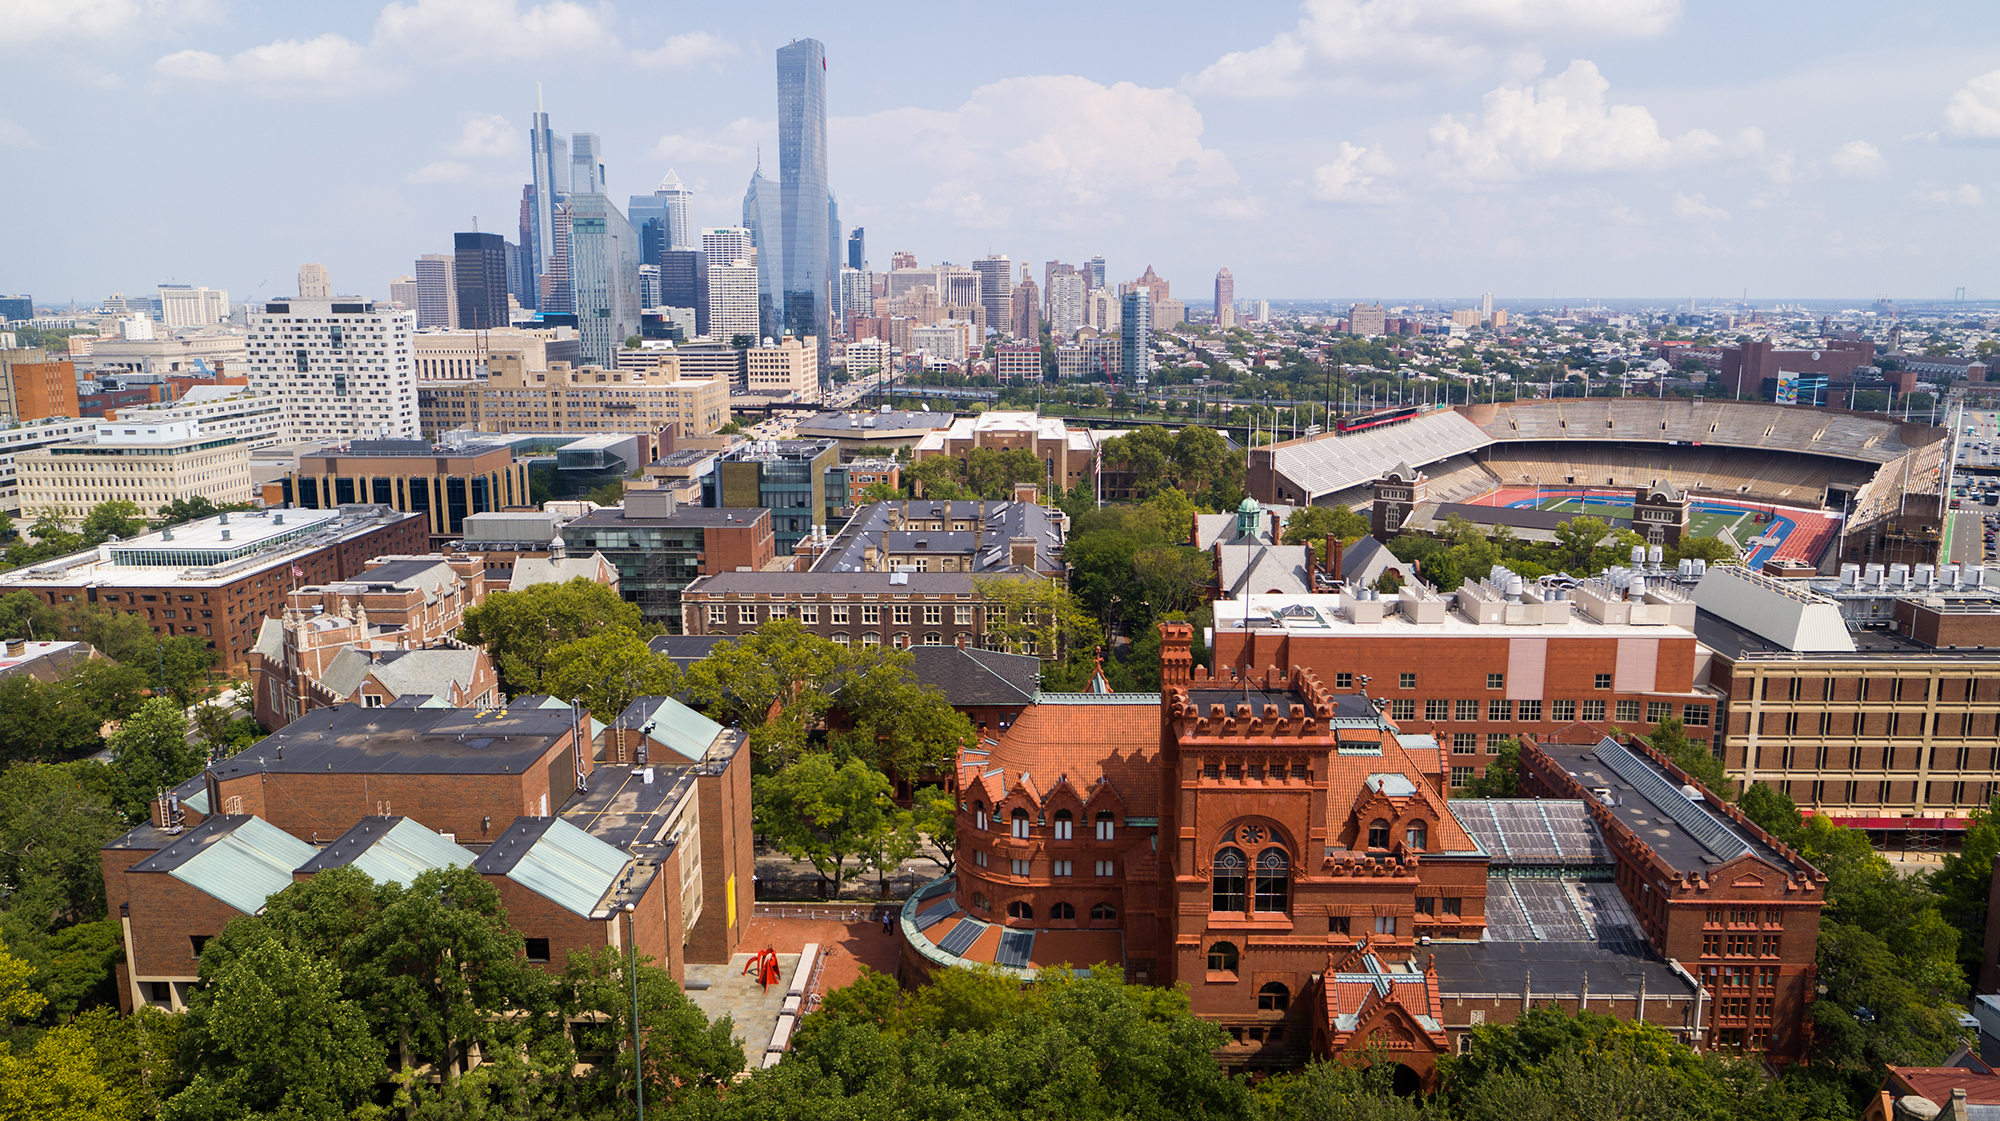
(1802, 534)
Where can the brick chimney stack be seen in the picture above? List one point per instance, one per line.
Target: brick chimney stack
(1176, 655)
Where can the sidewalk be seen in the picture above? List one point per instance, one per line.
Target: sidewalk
(779, 877)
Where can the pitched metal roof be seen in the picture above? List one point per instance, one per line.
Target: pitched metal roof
(242, 860)
(557, 861)
(672, 725)
(391, 850)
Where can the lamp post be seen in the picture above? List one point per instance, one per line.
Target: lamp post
(638, 1055)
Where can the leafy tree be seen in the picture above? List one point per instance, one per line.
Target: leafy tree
(1312, 525)
(1033, 615)
(685, 1054)
(1503, 774)
(182, 664)
(151, 753)
(1577, 540)
(193, 509)
(730, 427)
(45, 722)
(1964, 889)
(137, 1055)
(608, 670)
(521, 630)
(1773, 810)
(119, 517)
(107, 690)
(934, 817)
(992, 473)
(899, 726)
(59, 1077)
(780, 665)
(1711, 549)
(51, 832)
(823, 813)
(936, 477)
(1669, 738)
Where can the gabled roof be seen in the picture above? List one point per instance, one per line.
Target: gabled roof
(557, 861)
(391, 850)
(240, 860)
(976, 677)
(671, 725)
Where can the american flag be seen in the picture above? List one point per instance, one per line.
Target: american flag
(298, 573)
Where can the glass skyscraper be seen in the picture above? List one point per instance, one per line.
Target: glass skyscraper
(760, 217)
(550, 156)
(857, 248)
(604, 271)
(1135, 339)
(805, 200)
(479, 269)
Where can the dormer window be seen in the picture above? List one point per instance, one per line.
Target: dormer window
(1417, 836)
(1378, 834)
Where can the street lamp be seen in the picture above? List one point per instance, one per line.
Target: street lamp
(638, 1055)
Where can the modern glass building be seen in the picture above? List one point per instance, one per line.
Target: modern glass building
(787, 477)
(684, 283)
(804, 197)
(857, 249)
(586, 164)
(760, 217)
(548, 153)
(1135, 338)
(479, 267)
(604, 276)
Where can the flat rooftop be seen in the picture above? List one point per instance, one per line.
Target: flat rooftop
(353, 740)
(616, 516)
(1320, 614)
(197, 552)
(1689, 833)
(1488, 969)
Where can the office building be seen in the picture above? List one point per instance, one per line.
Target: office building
(1225, 291)
(549, 156)
(760, 222)
(1363, 319)
(900, 610)
(405, 293)
(148, 464)
(732, 302)
(726, 245)
(16, 308)
(940, 343)
(184, 306)
(479, 281)
(786, 369)
(437, 291)
(807, 253)
(1093, 274)
(517, 274)
(604, 272)
(314, 284)
(1100, 310)
(1135, 338)
(515, 397)
(1017, 363)
(586, 164)
(684, 283)
(463, 355)
(1093, 359)
(857, 292)
(1065, 304)
(660, 546)
(1026, 320)
(557, 295)
(857, 248)
(414, 477)
(34, 386)
(254, 418)
(830, 281)
(1168, 314)
(996, 289)
(19, 438)
(677, 199)
(785, 477)
(343, 368)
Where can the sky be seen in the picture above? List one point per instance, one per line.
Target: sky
(1341, 149)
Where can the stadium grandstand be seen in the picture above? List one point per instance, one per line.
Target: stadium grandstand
(1885, 474)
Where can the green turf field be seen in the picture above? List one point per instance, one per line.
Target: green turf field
(1699, 525)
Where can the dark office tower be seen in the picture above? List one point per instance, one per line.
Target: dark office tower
(550, 164)
(684, 283)
(831, 285)
(760, 217)
(653, 239)
(857, 251)
(479, 267)
(804, 195)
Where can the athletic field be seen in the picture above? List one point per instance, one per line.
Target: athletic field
(1762, 529)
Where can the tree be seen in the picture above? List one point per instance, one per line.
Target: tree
(899, 726)
(1772, 810)
(823, 813)
(936, 477)
(193, 509)
(607, 671)
(685, 1054)
(520, 630)
(59, 1076)
(1312, 525)
(1503, 774)
(119, 517)
(1963, 891)
(182, 663)
(1714, 550)
(1577, 541)
(730, 427)
(52, 830)
(1036, 615)
(45, 723)
(934, 817)
(1669, 738)
(151, 753)
(991, 473)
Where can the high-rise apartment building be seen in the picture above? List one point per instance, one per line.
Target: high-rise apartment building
(1486, 308)
(183, 305)
(604, 276)
(996, 289)
(857, 292)
(1135, 339)
(549, 154)
(437, 291)
(1225, 291)
(1093, 274)
(857, 249)
(805, 198)
(732, 300)
(479, 277)
(1363, 319)
(586, 164)
(404, 293)
(556, 295)
(1027, 318)
(684, 283)
(314, 284)
(344, 368)
(1065, 304)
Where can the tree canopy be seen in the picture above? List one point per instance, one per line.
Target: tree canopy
(522, 630)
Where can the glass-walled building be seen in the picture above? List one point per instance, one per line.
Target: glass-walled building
(787, 477)
(414, 476)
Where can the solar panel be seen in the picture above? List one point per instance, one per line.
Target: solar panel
(1016, 947)
(1668, 799)
(936, 915)
(962, 936)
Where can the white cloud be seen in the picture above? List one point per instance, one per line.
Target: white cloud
(326, 66)
(1353, 176)
(28, 22)
(1695, 208)
(487, 137)
(490, 30)
(732, 143)
(690, 49)
(1965, 194)
(1561, 124)
(443, 171)
(14, 136)
(1362, 42)
(1973, 113)
(1858, 159)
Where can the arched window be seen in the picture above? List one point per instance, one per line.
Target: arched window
(1062, 911)
(1378, 834)
(1021, 823)
(1063, 825)
(979, 815)
(1273, 880)
(1273, 997)
(1222, 957)
(1229, 873)
(1019, 910)
(1103, 912)
(1417, 835)
(979, 900)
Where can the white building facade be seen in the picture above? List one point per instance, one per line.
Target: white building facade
(343, 368)
(254, 417)
(183, 306)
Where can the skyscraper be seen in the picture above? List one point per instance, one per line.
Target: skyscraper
(586, 164)
(343, 369)
(437, 291)
(684, 283)
(1225, 292)
(760, 220)
(725, 245)
(557, 298)
(1486, 308)
(1065, 304)
(479, 272)
(732, 301)
(830, 284)
(1135, 339)
(857, 250)
(804, 196)
(1093, 274)
(678, 199)
(604, 277)
(996, 289)
(313, 283)
(548, 153)
(857, 292)
(1027, 318)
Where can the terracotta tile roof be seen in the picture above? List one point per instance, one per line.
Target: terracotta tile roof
(1084, 737)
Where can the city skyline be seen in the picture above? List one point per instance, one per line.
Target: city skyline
(1638, 149)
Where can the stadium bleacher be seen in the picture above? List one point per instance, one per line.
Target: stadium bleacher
(1314, 468)
(1723, 472)
(1738, 424)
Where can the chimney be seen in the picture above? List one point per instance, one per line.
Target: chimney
(1335, 557)
(1176, 659)
(1021, 552)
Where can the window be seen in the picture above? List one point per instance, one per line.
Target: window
(1063, 911)
(1107, 867)
(197, 941)
(1465, 743)
(871, 616)
(1657, 711)
(1103, 912)
(1528, 712)
(1222, 957)
(1416, 836)
(979, 858)
(1385, 924)
(1378, 834)
(809, 614)
(933, 638)
(1273, 881)
(1273, 997)
(1603, 681)
(1494, 740)
(1061, 868)
(962, 616)
(1427, 905)
(1562, 712)
(538, 949)
(1020, 818)
(902, 614)
(1465, 710)
(1406, 681)
(1496, 681)
(1104, 825)
(718, 615)
(1694, 715)
(1403, 708)
(1593, 710)
(1343, 681)
(1020, 910)
(979, 815)
(1461, 776)
(1499, 710)
(1452, 903)
(1338, 924)
(1063, 825)
(1228, 890)
(1628, 712)
(1437, 710)
(902, 640)
(837, 614)
(746, 613)
(1018, 867)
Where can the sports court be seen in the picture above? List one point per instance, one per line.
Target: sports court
(1764, 529)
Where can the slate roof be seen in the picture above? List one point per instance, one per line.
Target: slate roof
(977, 677)
(685, 649)
(430, 671)
(359, 740)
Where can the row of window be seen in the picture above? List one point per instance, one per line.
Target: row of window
(1915, 690)
(1257, 772)
(1058, 911)
(747, 614)
(1740, 945)
(1063, 821)
(1061, 869)
(1743, 916)
(1562, 712)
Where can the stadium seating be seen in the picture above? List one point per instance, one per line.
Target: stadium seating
(1740, 424)
(1322, 465)
(1717, 471)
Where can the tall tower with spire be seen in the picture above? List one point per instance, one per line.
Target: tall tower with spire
(760, 217)
(549, 154)
(805, 200)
